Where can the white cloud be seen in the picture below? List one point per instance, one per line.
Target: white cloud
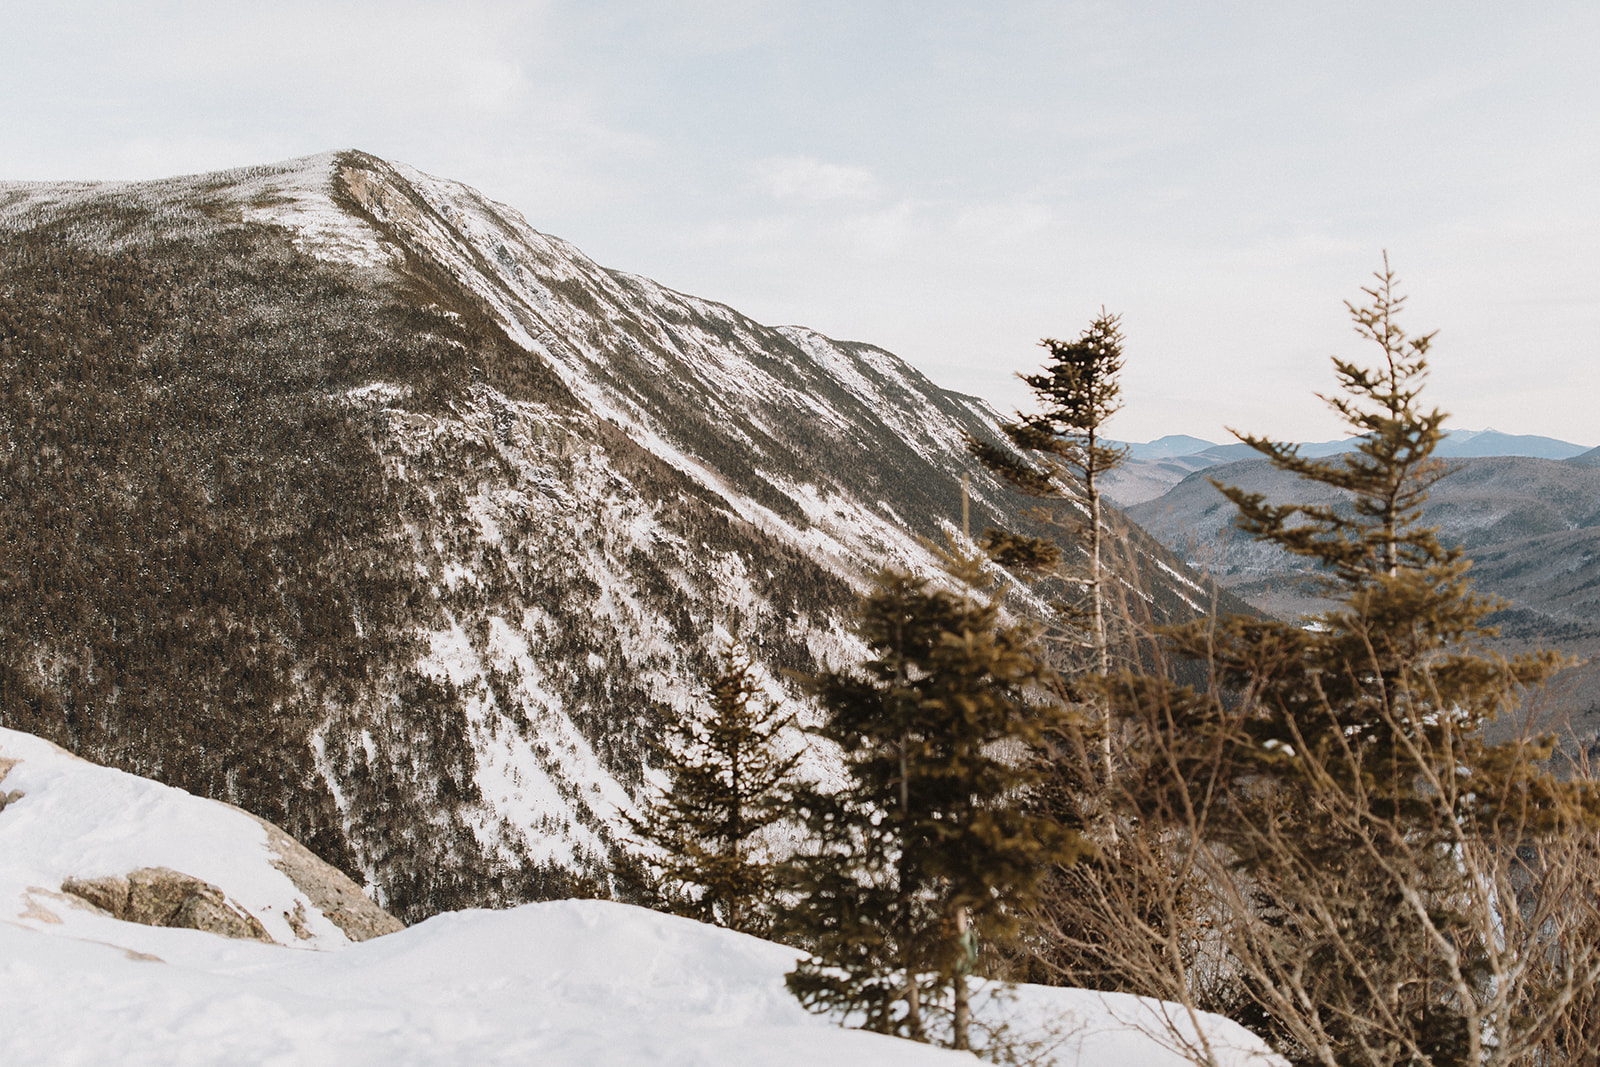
(808, 180)
(1003, 223)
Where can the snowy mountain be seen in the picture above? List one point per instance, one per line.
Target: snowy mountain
(1531, 527)
(569, 983)
(336, 491)
(1155, 467)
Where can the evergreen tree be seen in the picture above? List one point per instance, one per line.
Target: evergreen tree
(727, 784)
(1066, 455)
(928, 850)
(1378, 872)
(1063, 459)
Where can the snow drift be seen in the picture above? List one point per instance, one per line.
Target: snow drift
(567, 982)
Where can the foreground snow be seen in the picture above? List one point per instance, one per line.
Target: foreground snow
(564, 983)
(571, 982)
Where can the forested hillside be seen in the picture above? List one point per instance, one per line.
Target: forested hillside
(1530, 525)
(337, 492)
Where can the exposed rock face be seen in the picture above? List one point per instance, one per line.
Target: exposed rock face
(160, 896)
(16, 794)
(335, 895)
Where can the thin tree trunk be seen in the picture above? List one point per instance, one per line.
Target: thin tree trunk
(963, 1010)
(913, 991)
(1097, 599)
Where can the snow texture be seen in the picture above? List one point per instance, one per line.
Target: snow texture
(562, 983)
(76, 819)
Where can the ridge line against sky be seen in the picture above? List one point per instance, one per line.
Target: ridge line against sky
(946, 181)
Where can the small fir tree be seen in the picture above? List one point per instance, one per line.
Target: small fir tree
(1376, 871)
(1065, 458)
(727, 783)
(928, 850)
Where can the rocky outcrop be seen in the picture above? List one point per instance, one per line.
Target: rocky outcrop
(81, 798)
(333, 894)
(16, 794)
(161, 896)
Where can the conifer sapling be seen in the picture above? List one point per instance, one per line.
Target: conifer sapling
(727, 783)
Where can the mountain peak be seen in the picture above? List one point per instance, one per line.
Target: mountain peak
(406, 526)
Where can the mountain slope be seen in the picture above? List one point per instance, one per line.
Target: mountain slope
(1531, 527)
(338, 492)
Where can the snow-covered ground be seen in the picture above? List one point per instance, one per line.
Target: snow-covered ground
(563, 983)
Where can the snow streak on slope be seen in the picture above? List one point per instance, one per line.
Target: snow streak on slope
(417, 526)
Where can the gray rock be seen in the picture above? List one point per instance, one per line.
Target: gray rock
(333, 894)
(161, 896)
(16, 794)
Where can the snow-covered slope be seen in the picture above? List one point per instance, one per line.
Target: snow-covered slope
(338, 492)
(64, 820)
(576, 983)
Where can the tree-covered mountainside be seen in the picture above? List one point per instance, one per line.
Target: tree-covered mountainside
(337, 492)
(1530, 525)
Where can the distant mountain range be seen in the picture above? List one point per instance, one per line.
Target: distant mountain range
(1531, 527)
(1156, 466)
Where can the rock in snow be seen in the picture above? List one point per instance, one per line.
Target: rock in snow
(83, 836)
(569, 982)
(161, 896)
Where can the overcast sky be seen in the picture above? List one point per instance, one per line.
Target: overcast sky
(949, 180)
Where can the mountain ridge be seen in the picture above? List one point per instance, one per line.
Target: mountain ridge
(1531, 527)
(337, 492)
(1152, 468)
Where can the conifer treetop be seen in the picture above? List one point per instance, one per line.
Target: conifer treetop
(1078, 390)
(1388, 475)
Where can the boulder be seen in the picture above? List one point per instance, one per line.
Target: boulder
(161, 896)
(16, 794)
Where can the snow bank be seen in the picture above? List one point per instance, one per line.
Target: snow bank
(564, 983)
(79, 820)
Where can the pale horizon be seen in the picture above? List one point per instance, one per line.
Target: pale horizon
(946, 183)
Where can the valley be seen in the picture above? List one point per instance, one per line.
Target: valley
(1530, 525)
